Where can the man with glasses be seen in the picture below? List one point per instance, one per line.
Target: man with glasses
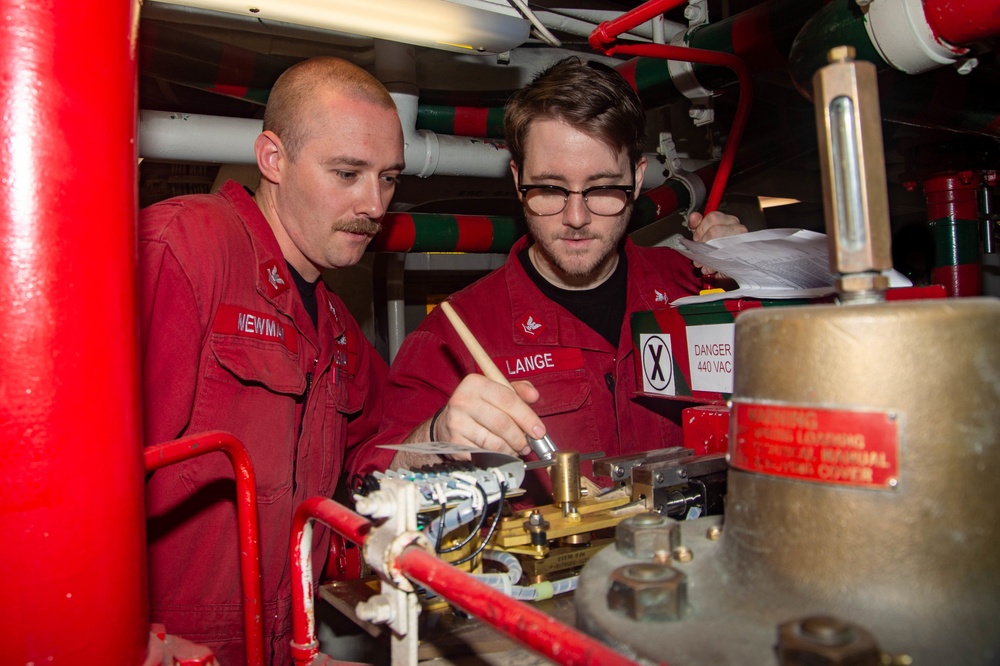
(555, 319)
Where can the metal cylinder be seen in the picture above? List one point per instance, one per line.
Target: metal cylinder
(566, 477)
(864, 446)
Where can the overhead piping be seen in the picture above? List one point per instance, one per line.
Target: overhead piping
(603, 38)
(938, 97)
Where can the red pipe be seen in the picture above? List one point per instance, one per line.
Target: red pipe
(603, 37)
(605, 34)
(348, 524)
(72, 527)
(185, 448)
(531, 627)
(961, 22)
(525, 624)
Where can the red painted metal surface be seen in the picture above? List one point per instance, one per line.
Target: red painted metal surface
(706, 429)
(343, 521)
(963, 21)
(603, 38)
(186, 448)
(71, 524)
(530, 627)
(959, 281)
(953, 195)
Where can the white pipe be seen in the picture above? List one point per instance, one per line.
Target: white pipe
(430, 154)
(192, 137)
(596, 17)
(900, 32)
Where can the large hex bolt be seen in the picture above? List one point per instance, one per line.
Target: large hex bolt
(648, 592)
(826, 641)
(648, 536)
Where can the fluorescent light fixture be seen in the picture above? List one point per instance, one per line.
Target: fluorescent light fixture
(433, 23)
(771, 202)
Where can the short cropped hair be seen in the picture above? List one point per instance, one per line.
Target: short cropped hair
(589, 96)
(291, 97)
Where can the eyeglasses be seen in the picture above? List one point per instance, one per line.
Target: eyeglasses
(603, 200)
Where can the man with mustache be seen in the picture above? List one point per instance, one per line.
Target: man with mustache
(557, 314)
(241, 335)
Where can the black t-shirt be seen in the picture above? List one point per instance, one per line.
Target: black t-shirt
(601, 308)
(307, 292)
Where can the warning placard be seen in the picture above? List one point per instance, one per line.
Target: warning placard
(848, 447)
(710, 356)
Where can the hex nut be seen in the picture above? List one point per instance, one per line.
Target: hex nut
(826, 641)
(645, 536)
(648, 592)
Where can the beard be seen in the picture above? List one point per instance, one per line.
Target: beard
(579, 264)
(359, 225)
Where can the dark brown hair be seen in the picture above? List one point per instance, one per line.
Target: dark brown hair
(589, 96)
(293, 94)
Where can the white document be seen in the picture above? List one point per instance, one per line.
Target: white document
(773, 263)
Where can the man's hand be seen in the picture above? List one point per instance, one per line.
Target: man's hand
(486, 415)
(714, 225)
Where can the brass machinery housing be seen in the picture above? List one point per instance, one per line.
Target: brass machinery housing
(915, 564)
(901, 549)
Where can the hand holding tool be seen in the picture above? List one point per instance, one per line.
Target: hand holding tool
(544, 447)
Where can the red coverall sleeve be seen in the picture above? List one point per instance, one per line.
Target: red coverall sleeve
(423, 376)
(172, 334)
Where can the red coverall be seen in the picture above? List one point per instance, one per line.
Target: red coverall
(587, 387)
(228, 345)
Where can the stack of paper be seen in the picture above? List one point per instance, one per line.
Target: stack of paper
(773, 263)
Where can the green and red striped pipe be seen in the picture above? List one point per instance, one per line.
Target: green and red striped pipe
(461, 120)
(953, 213)
(426, 232)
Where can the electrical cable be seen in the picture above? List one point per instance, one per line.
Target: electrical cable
(473, 532)
(492, 530)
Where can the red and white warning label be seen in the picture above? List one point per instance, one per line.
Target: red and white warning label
(846, 447)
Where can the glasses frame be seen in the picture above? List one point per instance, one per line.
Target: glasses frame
(629, 191)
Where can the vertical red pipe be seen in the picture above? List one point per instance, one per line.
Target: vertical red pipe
(71, 480)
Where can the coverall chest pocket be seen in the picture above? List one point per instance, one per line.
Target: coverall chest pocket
(566, 407)
(251, 389)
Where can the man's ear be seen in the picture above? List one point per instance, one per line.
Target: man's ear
(513, 172)
(640, 170)
(270, 155)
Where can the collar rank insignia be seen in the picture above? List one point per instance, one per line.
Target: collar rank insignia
(532, 326)
(274, 278)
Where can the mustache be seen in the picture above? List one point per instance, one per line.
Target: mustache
(577, 235)
(361, 225)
